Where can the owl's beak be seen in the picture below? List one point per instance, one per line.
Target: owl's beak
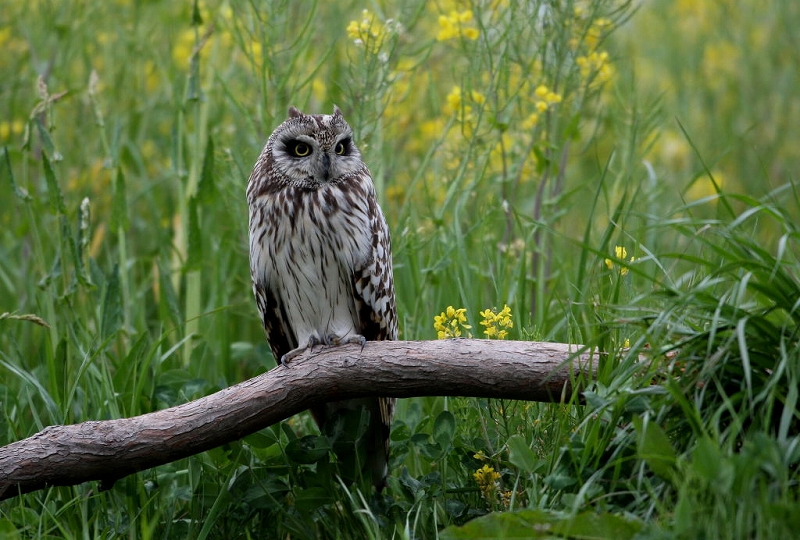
(326, 165)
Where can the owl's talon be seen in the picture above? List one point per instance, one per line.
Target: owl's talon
(332, 340)
(358, 339)
(313, 340)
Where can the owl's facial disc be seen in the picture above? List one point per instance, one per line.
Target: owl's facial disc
(317, 149)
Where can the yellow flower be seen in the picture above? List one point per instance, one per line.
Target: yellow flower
(7, 129)
(596, 67)
(454, 102)
(620, 253)
(5, 35)
(451, 322)
(704, 186)
(530, 121)
(673, 150)
(452, 26)
(368, 32)
(600, 27)
(184, 45)
(480, 455)
(488, 481)
(546, 98)
(495, 323)
(589, 37)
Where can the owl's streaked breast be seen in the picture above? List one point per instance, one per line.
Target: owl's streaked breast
(313, 241)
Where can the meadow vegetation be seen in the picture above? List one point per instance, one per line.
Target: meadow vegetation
(577, 171)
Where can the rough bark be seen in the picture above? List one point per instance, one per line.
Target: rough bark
(111, 449)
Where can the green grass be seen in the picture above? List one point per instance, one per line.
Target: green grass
(123, 227)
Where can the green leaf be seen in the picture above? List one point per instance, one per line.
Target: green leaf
(112, 305)
(56, 196)
(18, 191)
(206, 190)
(412, 485)
(288, 431)
(595, 401)
(167, 297)
(308, 449)
(197, 19)
(75, 252)
(346, 426)
(520, 454)
(193, 91)
(8, 530)
(262, 495)
(712, 465)
(788, 414)
(655, 448)
(542, 524)
(44, 135)
(560, 480)
(119, 206)
(311, 499)
(603, 525)
(261, 439)
(194, 256)
(432, 451)
(682, 520)
(443, 429)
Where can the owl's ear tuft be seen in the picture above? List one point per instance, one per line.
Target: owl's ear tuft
(337, 111)
(294, 112)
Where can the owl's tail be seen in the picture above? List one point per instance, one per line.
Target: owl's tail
(359, 431)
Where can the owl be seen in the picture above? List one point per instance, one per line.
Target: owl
(320, 256)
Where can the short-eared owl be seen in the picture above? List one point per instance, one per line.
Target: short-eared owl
(320, 255)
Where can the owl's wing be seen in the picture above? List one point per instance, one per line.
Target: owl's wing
(273, 317)
(373, 284)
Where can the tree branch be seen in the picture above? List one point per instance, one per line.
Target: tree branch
(111, 449)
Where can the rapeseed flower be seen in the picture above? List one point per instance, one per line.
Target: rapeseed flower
(620, 253)
(451, 322)
(546, 98)
(14, 127)
(452, 26)
(455, 103)
(368, 32)
(496, 323)
(595, 66)
(530, 121)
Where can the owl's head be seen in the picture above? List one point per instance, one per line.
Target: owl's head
(310, 150)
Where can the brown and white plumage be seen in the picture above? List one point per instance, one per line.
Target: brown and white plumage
(320, 254)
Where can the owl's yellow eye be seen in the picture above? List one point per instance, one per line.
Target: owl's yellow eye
(340, 149)
(300, 149)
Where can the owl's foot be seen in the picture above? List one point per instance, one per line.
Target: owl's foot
(331, 340)
(336, 340)
(313, 340)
